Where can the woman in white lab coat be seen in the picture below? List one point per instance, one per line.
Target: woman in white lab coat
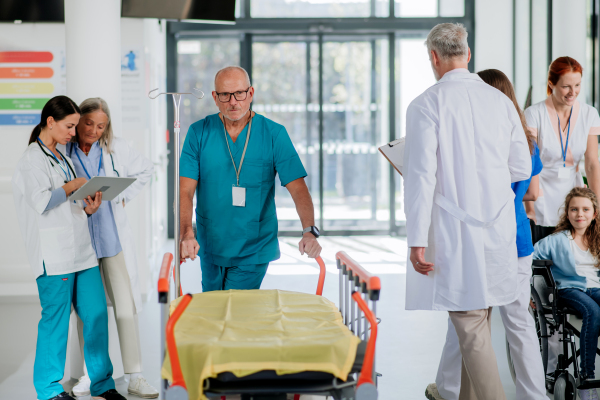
(95, 152)
(61, 255)
(567, 132)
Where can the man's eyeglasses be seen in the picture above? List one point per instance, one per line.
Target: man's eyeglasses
(239, 95)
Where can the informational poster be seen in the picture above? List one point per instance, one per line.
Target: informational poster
(28, 79)
(132, 87)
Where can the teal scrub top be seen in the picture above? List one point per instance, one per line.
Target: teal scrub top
(230, 235)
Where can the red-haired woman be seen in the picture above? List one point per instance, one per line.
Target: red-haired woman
(566, 131)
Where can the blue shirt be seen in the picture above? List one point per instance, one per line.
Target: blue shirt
(524, 243)
(230, 235)
(102, 226)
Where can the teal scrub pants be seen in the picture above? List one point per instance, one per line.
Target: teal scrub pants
(85, 291)
(215, 277)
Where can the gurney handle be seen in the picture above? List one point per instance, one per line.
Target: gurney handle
(172, 345)
(163, 278)
(322, 273)
(366, 373)
(370, 282)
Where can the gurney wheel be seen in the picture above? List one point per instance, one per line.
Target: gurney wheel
(176, 393)
(565, 388)
(366, 391)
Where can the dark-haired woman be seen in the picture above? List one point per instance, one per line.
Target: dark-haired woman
(61, 255)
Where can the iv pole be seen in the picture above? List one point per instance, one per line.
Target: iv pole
(199, 94)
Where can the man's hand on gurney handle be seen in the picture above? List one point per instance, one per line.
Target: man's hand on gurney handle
(188, 246)
(417, 258)
(309, 245)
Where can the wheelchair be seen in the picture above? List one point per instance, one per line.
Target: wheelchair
(549, 319)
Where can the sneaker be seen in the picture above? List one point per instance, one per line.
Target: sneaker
(82, 388)
(62, 396)
(432, 392)
(588, 394)
(111, 394)
(141, 388)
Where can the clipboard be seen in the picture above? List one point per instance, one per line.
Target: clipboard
(394, 153)
(110, 187)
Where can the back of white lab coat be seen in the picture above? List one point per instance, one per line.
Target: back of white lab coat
(58, 238)
(464, 146)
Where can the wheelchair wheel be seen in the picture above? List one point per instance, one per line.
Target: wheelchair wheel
(565, 388)
(511, 364)
(541, 327)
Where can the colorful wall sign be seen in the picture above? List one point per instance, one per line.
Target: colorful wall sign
(26, 73)
(28, 79)
(23, 104)
(19, 119)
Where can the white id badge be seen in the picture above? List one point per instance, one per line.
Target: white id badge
(239, 196)
(563, 173)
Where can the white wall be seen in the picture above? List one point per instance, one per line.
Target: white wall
(147, 213)
(493, 36)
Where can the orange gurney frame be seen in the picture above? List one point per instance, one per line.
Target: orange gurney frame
(353, 281)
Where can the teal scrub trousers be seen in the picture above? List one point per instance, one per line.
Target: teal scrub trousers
(241, 277)
(85, 291)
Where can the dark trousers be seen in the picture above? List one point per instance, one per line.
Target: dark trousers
(587, 304)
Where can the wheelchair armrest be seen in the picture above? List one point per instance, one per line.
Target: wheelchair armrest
(542, 263)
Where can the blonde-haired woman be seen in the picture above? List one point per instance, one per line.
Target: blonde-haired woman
(95, 152)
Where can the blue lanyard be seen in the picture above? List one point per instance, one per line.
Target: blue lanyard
(566, 147)
(67, 172)
(99, 163)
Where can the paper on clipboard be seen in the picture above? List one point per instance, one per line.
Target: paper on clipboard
(394, 153)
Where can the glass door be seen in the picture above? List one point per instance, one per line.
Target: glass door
(355, 123)
(286, 89)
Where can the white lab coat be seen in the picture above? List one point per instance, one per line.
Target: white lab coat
(542, 120)
(465, 145)
(130, 164)
(58, 238)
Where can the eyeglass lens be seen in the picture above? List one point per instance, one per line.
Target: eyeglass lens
(239, 96)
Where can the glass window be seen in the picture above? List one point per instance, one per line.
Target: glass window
(355, 115)
(197, 63)
(286, 91)
(412, 8)
(452, 8)
(310, 8)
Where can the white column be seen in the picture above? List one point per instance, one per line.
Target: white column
(569, 29)
(569, 36)
(93, 50)
(93, 66)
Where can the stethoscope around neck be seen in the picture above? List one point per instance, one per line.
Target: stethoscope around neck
(54, 160)
(111, 160)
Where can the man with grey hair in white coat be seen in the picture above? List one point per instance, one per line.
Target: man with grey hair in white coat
(465, 145)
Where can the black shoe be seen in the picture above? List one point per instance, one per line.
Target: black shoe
(111, 394)
(63, 396)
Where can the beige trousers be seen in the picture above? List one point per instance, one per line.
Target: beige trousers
(118, 287)
(480, 379)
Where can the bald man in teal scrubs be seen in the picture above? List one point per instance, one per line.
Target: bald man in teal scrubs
(229, 160)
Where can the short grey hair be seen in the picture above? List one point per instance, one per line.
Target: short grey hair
(448, 41)
(230, 68)
(98, 104)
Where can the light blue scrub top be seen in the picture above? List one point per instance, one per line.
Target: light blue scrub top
(230, 235)
(102, 226)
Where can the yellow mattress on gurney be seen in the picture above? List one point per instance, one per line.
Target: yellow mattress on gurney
(247, 331)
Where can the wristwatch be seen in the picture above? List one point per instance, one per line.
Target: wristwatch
(312, 229)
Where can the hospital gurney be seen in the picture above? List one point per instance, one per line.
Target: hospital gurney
(360, 382)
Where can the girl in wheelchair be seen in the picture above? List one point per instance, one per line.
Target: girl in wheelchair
(574, 249)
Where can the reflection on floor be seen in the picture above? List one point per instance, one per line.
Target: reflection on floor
(409, 345)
